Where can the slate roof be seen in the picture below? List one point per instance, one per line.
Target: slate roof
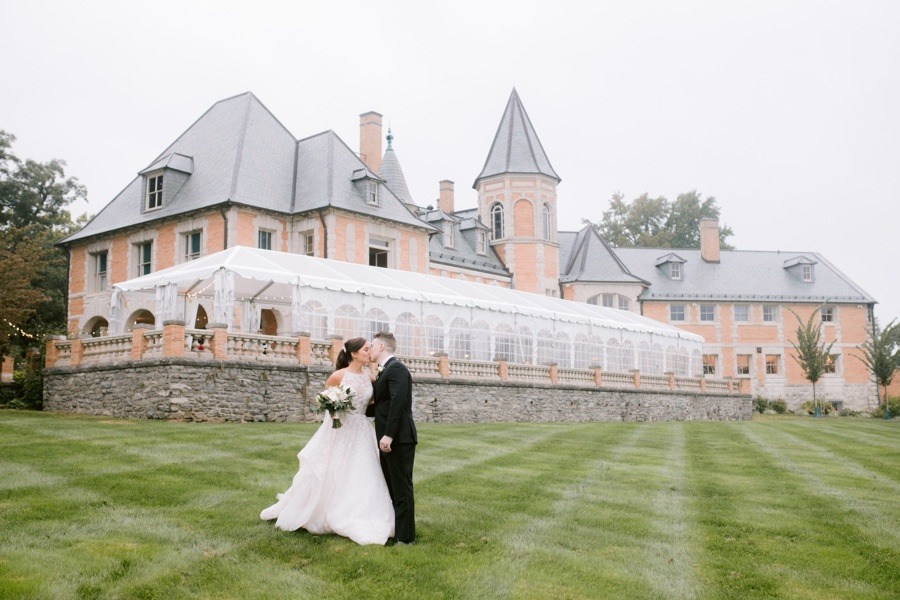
(516, 147)
(463, 254)
(585, 257)
(741, 275)
(239, 152)
(392, 174)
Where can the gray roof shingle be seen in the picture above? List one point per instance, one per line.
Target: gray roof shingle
(742, 275)
(516, 147)
(585, 257)
(237, 151)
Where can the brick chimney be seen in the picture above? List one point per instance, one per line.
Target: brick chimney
(445, 202)
(709, 240)
(370, 140)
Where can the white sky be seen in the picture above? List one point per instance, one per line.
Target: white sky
(788, 112)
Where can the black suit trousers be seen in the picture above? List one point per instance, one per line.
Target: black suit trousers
(397, 466)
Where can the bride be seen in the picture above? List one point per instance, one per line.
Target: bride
(339, 487)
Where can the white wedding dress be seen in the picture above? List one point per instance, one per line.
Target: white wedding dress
(339, 487)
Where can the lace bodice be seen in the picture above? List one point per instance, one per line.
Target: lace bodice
(363, 388)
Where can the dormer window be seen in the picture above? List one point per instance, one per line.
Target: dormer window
(807, 273)
(802, 268)
(671, 264)
(366, 184)
(154, 192)
(482, 242)
(675, 271)
(449, 235)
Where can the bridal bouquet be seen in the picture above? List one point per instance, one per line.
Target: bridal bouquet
(336, 399)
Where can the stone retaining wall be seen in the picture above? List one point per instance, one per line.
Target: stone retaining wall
(221, 391)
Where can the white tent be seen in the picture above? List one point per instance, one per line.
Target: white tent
(326, 297)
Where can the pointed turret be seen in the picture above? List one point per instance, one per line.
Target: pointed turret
(392, 174)
(517, 200)
(516, 147)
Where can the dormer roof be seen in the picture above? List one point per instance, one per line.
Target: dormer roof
(516, 147)
(585, 257)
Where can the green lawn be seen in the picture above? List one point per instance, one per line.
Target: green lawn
(780, 507)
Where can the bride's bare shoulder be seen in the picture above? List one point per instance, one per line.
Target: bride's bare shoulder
(335, 378)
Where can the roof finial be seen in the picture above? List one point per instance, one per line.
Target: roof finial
(390, 138)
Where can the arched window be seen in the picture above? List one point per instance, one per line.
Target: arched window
(645, 358)
(562, 350)
(408, 336)
(505, 343)
(460, 339)
(545, 354)
(377, 320)
(315, 319)
(96, 327)
(347, 321)
(481, 341)
(524, 346)
(139, 316)
(696, 368)
(614, 356)
(434, 335)
(582, 351)
(671, 359)
(547, 220)
(497, 221)
(627, 356)
(201, 319)
(268, 322)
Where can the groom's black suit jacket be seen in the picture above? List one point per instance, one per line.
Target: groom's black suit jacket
(393, 404)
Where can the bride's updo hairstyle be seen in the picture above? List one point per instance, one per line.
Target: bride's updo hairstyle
(346, 354)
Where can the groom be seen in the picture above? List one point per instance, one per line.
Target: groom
(396, 432)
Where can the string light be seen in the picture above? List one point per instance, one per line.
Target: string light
(20, 331)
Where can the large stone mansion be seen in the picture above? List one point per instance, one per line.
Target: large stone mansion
(238, 177)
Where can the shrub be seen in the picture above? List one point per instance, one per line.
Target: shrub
(893, 404)
(779, 406)
(824, 407)
(760, 404)
(849, 412)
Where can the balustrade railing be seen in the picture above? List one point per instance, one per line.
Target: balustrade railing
(618, 379)
(528, 372)
(576, 376)
(106, 349)
(217, 344)
(471, 369)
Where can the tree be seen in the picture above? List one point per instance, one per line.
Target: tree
(658, 223)
(813, 355)
(881, 355)
(33, 270)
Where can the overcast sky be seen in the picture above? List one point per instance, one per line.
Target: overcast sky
(787, 112)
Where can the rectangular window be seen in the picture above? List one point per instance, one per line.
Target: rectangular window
(609, 300)
(827, 314)
(675, 270)
(154, 192)
(482, 242)
(449, 237)
(709, 364)
(676, 312)
(99, 270)
(743, 364)
(707, 312)
(378, 253)
(372, 192)
(831, 363)
(741, 313)
(265, 240)
(770, 314)
(309, 243)
(624, 304)
(144, 254)
(807, 273)
(192, 245)
(772, 364)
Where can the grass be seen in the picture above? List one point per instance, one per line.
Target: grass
(780, 507)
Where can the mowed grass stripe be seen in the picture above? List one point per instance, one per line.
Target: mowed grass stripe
(841, 527)
(869, 512)
(543, 540)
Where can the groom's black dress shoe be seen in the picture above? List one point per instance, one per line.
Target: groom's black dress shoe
(412, 543)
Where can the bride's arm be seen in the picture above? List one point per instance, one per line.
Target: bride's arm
(335, 378)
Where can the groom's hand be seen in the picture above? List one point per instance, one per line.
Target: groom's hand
(385, 444)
